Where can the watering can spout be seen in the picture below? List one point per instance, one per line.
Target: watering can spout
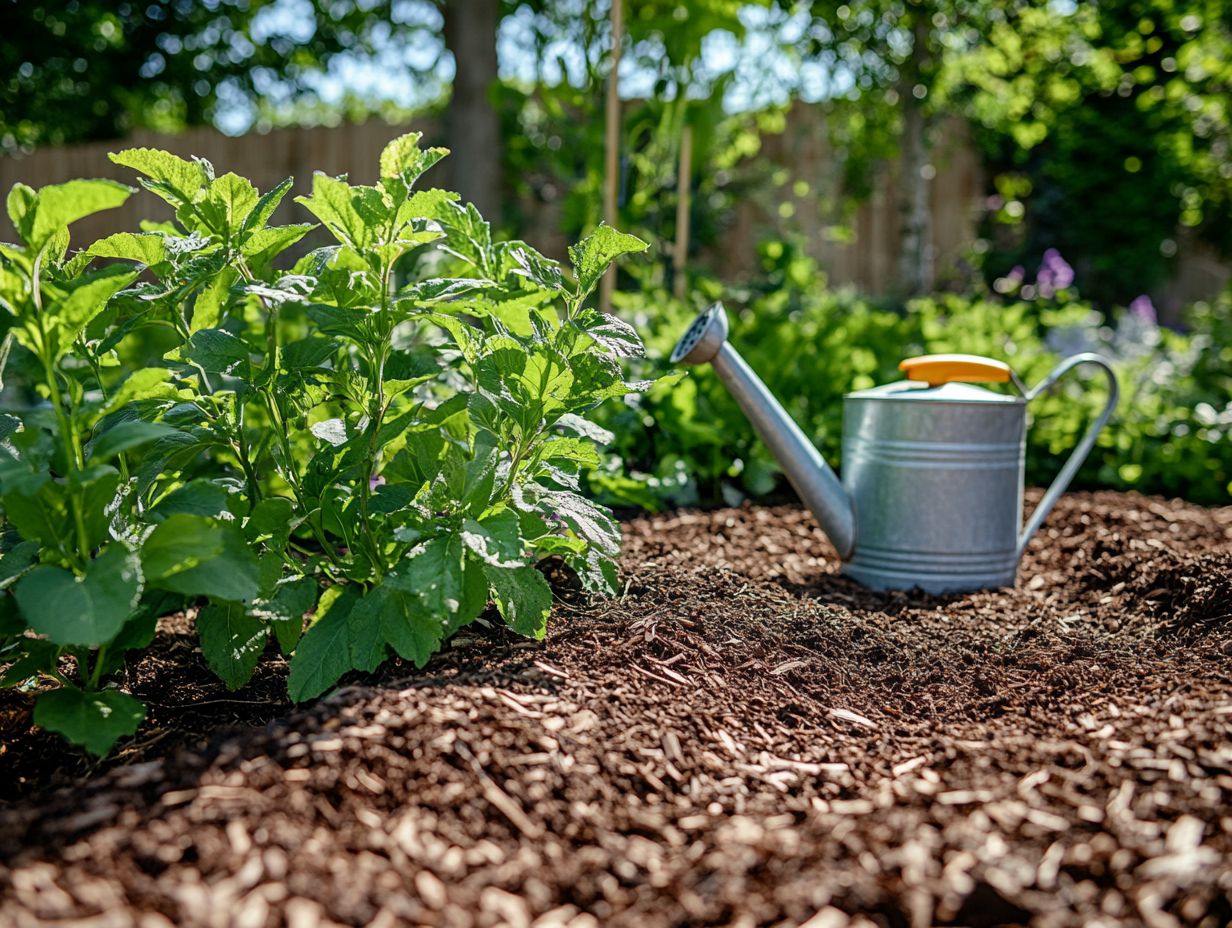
(818, 486)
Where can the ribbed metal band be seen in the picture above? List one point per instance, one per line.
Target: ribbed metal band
(923, 454)
(935, 571)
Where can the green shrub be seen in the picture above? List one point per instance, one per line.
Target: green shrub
(685, 442)
(387, 436)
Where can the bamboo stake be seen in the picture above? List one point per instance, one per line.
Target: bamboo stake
(684, 178)
(612, 154)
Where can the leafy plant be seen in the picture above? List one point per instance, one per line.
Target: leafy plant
(388, 436)
(85, 573)
(688, 443)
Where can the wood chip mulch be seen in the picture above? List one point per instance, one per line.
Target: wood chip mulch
(741, 738)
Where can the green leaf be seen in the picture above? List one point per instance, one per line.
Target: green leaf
(535, 267)
(58, 206)
(523, 598)
(266, 244)
(496, 540)
(177, 181)
(333, 202)
(148, 248)
(264, 210)
(309, 352)
(20, 199)
(15, 562)
(228, 203)
(433, 571)
(593, 254)
(33, 657)
(404, 159)
(201, 557)
(271, 518)
(216, 351)
(94, 720)
(285, 610)
(197, 497)
(209, 306)
(126, 435)
(414, 633)
(88, 298)
(146, 383)
(344, 637)
(87, 610)
(232, 642)
(617, 336)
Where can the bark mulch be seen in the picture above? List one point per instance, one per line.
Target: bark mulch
(741, 738)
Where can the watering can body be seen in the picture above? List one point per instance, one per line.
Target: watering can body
(933, 466)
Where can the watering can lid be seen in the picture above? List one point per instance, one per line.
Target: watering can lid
(947, 378)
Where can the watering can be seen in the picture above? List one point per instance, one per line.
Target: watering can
(931, 495)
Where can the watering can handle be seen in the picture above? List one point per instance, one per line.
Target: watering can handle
(1081, 450)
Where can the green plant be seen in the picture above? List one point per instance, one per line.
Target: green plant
(686, 442)
(388, 436)
(88, 571)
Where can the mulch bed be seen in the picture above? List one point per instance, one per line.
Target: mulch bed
(741, 738)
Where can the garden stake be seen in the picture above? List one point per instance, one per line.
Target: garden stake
(932, 487)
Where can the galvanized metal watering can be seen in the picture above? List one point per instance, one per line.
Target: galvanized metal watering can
(931, 494)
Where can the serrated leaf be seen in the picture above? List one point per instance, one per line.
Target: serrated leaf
(169, 176)
(124, 436)
(616, 335)
(94, 720)
(197, 498)
(216, 351)
(145, 248)
(58, 206)
(411, 630)
(585, 428)
(595, 253)
(88, 298)
(536, 268)
(228, 202)
(146, 383)
(264, 210)
(209, 306)
(404, 159)
(333, 202)
(232, 642)
(201, 557)
(496, 540)
(433, 572)
(20, 199)
(266, 244)
(87, 610)
(523, 598)
(286, 608)
(344, 637)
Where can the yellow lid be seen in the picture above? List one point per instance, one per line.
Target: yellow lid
(936, 369)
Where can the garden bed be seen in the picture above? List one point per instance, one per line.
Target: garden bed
(741, 737)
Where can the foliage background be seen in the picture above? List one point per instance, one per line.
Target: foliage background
(1104, 129)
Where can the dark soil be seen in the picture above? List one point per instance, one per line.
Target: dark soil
(742, 737)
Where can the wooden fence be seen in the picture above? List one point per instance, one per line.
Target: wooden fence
(866, 259)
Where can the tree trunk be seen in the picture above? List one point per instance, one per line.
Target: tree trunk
(472, 123)
(915, 261)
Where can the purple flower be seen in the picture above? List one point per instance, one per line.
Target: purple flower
(1016, 274)
(374, 482)
(1054, 274)
(1142, 308)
